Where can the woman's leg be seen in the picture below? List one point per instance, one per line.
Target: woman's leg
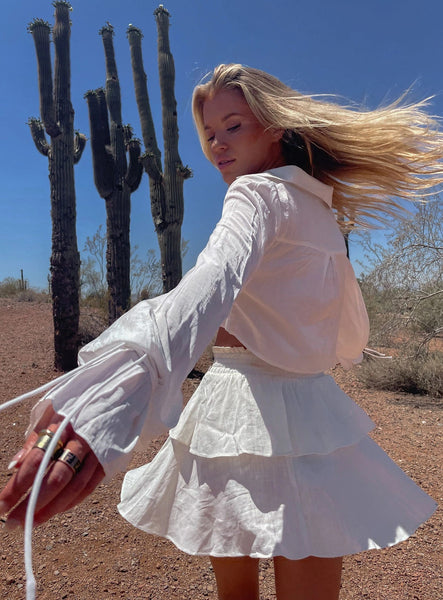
(237, 577)
(310, 578)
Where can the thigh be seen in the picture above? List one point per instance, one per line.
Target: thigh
(236, 577)
(310, 578)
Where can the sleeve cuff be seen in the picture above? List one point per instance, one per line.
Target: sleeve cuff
(110, 399)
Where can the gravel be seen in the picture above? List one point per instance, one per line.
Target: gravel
(91, 553)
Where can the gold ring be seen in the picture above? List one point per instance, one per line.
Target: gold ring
(44, 439)
(71, 460)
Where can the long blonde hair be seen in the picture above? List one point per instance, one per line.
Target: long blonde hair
(371, 157)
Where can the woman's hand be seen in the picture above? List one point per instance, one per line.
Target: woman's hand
(62, 488)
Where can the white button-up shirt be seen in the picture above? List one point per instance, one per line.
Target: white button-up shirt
(274, 273)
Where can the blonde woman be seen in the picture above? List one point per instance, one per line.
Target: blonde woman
(269, 458)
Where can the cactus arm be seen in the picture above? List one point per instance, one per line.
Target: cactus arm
(79, 146)
(38, 135)
(103, 117)
(173, 163)
(153, 163)
(113, 100)
(61, 34)
(150, 164)
(103, 162)
(40, 31)
(135, 167)
(173, 168)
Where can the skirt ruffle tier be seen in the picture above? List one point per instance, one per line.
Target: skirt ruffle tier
(268, 463)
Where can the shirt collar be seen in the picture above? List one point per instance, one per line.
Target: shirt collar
(301, 179)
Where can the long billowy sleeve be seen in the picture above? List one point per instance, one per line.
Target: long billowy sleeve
(127, 388)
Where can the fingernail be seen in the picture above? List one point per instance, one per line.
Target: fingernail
(11, 524)
(16, 458)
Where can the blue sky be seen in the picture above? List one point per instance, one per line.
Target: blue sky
(368, 52)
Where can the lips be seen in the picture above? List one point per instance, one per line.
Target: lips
(221, 164)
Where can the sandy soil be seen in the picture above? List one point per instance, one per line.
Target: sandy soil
(91, 553)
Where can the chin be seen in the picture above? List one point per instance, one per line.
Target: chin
(229, 178)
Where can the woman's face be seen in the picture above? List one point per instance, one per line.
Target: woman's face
(238, 143)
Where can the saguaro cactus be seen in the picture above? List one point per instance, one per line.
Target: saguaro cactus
(166, 185)
(63, 151)
(115, 179)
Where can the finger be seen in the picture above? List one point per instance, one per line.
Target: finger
(21, 481)
(48, 417)
(23, 478)
(50, 420)
(77, 490)
(56, 481)
(95, 480)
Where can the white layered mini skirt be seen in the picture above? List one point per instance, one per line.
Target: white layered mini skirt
(266, 463)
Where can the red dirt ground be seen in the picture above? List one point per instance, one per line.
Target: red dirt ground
(91, 553)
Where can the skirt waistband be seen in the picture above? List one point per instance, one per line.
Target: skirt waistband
(244, 360)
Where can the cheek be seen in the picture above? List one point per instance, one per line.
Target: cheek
(262, 139)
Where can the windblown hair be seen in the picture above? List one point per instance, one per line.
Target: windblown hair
(371, 157)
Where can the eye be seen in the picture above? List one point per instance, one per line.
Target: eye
(209, 139)
(234, 128)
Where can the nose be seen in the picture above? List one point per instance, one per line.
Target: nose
(218, 143)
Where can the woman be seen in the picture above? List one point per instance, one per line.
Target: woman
(269, 458)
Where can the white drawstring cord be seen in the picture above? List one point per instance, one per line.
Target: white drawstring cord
(39, 390)
(35, 490)
(30, 511)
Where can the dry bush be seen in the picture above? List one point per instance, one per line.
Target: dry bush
(10, 287)
(92, 324)
(403, 293)
(15, 288)
(414, 375)
(31, 295)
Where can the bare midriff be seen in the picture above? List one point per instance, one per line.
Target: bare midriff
(226, 339)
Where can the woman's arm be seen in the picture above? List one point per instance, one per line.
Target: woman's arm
(128, 385)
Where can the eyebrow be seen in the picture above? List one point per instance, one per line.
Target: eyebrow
(225, 118)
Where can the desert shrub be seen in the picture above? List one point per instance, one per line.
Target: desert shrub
(31, 295)
(399, 313)
(403, 292)
(10, 287)
(419, 374)
(97, 301)
(92, 324)
(19, 290)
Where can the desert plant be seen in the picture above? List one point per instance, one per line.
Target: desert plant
(403, 289)
(92, 324)
(403, 292)
(146, 280)
(63, 151)
(166, 184)
(115, 178)
(420, 373)
(146, 275)
(10, 287)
